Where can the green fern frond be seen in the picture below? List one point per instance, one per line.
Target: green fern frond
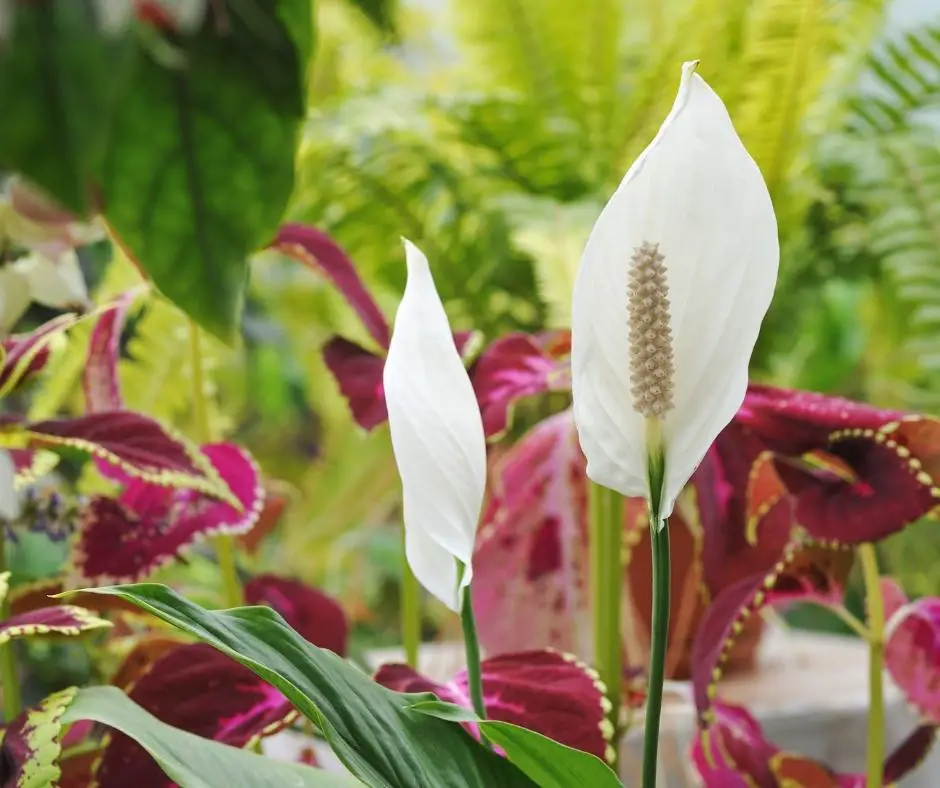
(902, 85)
(380, 168)
(565, 57)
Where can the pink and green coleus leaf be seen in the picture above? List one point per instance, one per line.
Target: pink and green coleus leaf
(850, 473)
(734, 745)
(136, 445)
(318, 251)
(912, 655)
(100, 383)
(517, 366)
(198, 689)
(531, 588)
(68, 620)
(804, 573)
(26, 355)
(545, 691)
(313, 614)
(128, 537)
(29, 753)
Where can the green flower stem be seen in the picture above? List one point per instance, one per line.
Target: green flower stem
(12, 703)
(659, 629)
(472, 646)
(224, 544)
(876, 627)
(659, 541)
(606, 546)
(410, 611)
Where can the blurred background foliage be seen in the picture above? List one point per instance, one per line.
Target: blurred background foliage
(490, 132)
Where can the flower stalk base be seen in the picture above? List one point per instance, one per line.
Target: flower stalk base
(876, 657)
(659, 547)
(472, 647)
(410, 611)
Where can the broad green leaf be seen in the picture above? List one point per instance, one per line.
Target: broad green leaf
(372, 730)
(59, 77)
(189, 760)
(550, 764)
(200, 161)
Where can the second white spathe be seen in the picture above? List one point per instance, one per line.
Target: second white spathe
(437, 437)
(697, 195)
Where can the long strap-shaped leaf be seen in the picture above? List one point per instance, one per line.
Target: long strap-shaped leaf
(191, 761)
(372, 730)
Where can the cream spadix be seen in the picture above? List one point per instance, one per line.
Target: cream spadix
(437, 438)
(674, 282)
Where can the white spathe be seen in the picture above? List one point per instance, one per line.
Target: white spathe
(57, 283)
(14, 298)
(696, 192)
(9, 500)
(437, 437)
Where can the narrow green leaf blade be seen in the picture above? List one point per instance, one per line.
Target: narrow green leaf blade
(200, 162)
(189, 760)
(372, 730)
(549, 763)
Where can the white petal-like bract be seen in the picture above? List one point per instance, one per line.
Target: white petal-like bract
(9, 501)
(437, 436)
(57, 283)
(697, 194)
(14, 298)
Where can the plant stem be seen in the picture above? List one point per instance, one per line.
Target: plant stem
(410, 611)
(606, 546)
(12, 703)
(224, 544)
(659, 544)
(472, 646)
(876, 626)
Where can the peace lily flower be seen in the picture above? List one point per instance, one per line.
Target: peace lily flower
(674, 282)
(437, 437)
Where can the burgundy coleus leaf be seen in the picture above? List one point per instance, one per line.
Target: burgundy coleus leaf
(147, 650)
(851, 473)
(912, 655)
(316, 616)
(734, 744)
(545, 691)
(358, 373)
(63, 620)
(197, 689)
(318, 251)
(29, 753)
(137, 445)
(26, 355)
(516, 366)
(125, 538)
(803, 573)
(530, 588)
(100, 383)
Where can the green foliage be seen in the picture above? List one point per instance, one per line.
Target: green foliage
(548, 763)
(371, 729)
(188, 760)
(210, 183)
(185, 141)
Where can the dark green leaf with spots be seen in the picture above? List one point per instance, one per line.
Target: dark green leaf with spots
(59, 78)
(200, 160)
